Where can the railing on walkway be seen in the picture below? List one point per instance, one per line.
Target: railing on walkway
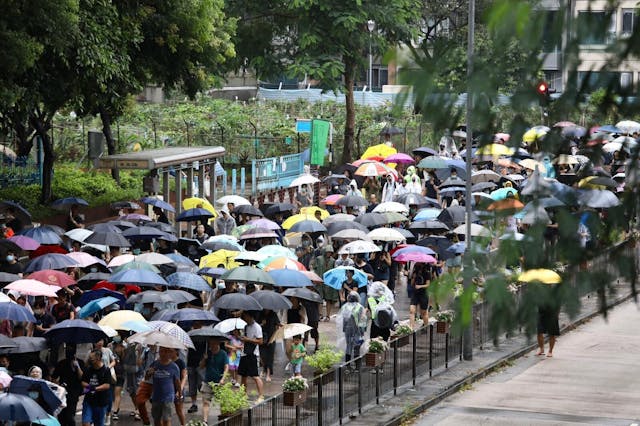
(275, 172)
(18, 171)
(347, 390)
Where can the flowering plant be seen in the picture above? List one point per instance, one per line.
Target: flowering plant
(377, 345)
(293, 384)
(445, 316)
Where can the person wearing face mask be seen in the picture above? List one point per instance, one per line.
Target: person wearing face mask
(44, 320)
(10, 264)
(96, 381)
(303, 198)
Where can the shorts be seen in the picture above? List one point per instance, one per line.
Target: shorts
(314, 331)
(328, 293)
(161, 411)
(207, 393)
(248, 366)
(93, 413)
(119, 381)
(420, 298)
(297, 368)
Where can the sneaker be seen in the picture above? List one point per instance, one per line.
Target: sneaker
(236, 384)
(115, 416)
(137, 417)
(192, 409)
(107, 420)
(260, 399)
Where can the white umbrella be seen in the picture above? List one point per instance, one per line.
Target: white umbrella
(350, 234)
(485, 176)
(391, 206)
(252, 256)
(222, 237)
(358, 247)
(289, 330)
(110, 332)
(628, 126)
(157, 337)
(531, 164)
(121, 260)
(476, 230)
(612, 147)
(78, 234)
(305, 179)
(338, 217)
(565, 159)
(386, 234)
(482, 195)
(154, 259)
(235, 199)
(230, 324)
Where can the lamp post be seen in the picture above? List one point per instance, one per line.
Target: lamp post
(371, 25)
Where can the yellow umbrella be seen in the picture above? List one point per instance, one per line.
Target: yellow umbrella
(586, 183)
(116, 319)
(495, 150)
(292, 220)
(312, 211)
(193, 202)
(544, 276)
(381, 150)
(534, 133)
(226, 258)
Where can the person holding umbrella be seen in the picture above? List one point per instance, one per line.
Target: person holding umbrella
(96, 381)
(249, 361)
(321, 264)
(74, 219)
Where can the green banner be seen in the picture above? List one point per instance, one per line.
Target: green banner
(319, 137)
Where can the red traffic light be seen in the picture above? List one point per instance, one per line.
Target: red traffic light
(543, 88)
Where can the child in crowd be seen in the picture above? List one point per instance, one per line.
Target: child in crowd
(297, 355)
(234, 349)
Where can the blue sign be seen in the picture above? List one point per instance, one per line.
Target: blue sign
(303, 125)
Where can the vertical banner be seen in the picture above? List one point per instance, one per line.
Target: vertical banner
(319, 136)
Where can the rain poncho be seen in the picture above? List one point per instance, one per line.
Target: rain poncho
(352, 321)
(353, 189)
(389, 190)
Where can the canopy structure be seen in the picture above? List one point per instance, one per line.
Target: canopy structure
(193, 161)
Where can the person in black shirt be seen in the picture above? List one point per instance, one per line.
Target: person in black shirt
(161, 216)
(365, 267)
(193, 361)
(44, 320)
(10, 264)
(270, 323)
(313, 320)
(96, 382)
(68, 373)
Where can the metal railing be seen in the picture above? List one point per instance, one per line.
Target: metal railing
(275, 172)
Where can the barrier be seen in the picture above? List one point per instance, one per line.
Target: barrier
(275, 172)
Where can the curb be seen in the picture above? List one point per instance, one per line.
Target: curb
(454, 388)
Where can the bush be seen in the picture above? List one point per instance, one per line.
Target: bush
(325, 358)
(231, 400)
(378, 345)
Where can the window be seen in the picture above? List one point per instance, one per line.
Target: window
(550, 34)
(596, 28)
(629, 21)
(618, 82)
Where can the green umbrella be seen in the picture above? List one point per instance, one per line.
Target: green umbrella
(433, 162)
(248, 274)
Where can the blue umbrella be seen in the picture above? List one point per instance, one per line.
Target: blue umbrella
(427, 214)
(15, 312)
(188, 280)
(158, 203)
(75, 331)
(308, 226)
(194, 215)
(335, 277)
(97, 305)
(23, 385)
(457, 248)
(609, 128)
(178, 258)
(502, 193)
(140, 277)
(289, 278)
(50, 261)
(136, 326)
(185, 314)
(43, 235)
(20, 408)
(51, 421)
(91, 295)
(69, 201)
(211, 272)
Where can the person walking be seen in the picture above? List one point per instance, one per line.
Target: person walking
(216, 365)
(354, 324)
(96, 381)
(249, 360)
(68, 373)
(321, 264)
(166, 387)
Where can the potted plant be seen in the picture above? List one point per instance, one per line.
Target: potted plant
(443, 321)
(375, 356)
(231, 401)
(402, 332)
(294, 391)
(324, 358)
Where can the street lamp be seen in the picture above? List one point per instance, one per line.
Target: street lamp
(371, 25)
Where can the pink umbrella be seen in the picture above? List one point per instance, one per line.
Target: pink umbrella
(24, 242)
(264, 223)
(312, 276)
(501, 137)
(331, 200)
(415, 257)
(52, 277)
(85, 259)
(5, 380)
(30, 287)
(400, 158)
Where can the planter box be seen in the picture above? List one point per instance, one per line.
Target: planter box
(374, 359)
(442, 327)
(325, 378)
(293, 398)
(403, 341)
(232, 419)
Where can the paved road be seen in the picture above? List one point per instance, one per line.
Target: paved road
(593, 378)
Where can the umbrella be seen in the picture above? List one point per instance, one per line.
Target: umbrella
(136, 265)
(399, 158)
(386, 234)
(258, 233)
(52, 277)
(531, 164)
(476, 230)
(20, 408)
(281, 262)
(506, 204)
(24, 242)
(158, 203)
(197, 202)
(628, 126)
(165, 227)
(249, 210)
(308, 226)
(502, 193)
(425, 151)
(121, 260)
(303, 293)
(107, 238)
(415, 257)
(412, 248)
(371, 220)
(237, 301)
(15, 312)
(434, 225)
(277, 251)
(481, 186)
(142, 233)
(485, 176)
(220, 258)
(336, 227)
(179, 259)
(23, 385)
(116, 319)
(332, 199)
(123, 225)
(352, 201)
(6, 277)
(427, 214)
(454, 215)
(597, 182)
(373, 169)
(305, 179)
(390, 131)
(43, 235)
(154, 259)
(188, 280)
(20, 211)
(544, 276)
(85, 259)
(97, 305)
(139, 277)
(565, 159)
(194, 215)
(74, 331)
(264, 223)
(598, 199)
(69, 201)
(136, 217)
(169, 296)
(8, 246)
(494, 150)
(391, 206)
(381, 150)
(288, 331)
(230, 324)
(289, 278)
(251, 256)
(236, 200)
(206, 333)
(212, 272)
(433, 162)
(25, 344)
(350, 234)
(88, 296)
(338, 217)
(125, 205)
(274, 209)
(292, 220)
(30, 287)
(269, 299)
(358, 247)
(157, 337)
(248, 274)
(413, 199)
(5, 379)
(187, 314)
(535, 133)
(335, 277)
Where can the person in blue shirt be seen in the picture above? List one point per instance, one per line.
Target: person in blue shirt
(166, 387)
(216, 365)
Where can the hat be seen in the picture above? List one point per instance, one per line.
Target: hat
(328, 249)
(320, 239)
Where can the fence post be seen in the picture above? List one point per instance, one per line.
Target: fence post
(253, 176)
(242, 179)
(274, 412)
(414, 344)
(395, 367)
(320, 404)
(430, 331)
(340, 394)
(446, 350)
(234, 175)
(358, 369)
(250, 416)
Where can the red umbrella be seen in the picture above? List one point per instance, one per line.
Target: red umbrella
(104, 284)
(52, 277)
(130, 289)
(47, 249)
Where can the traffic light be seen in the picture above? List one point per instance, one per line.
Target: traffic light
(543, 93)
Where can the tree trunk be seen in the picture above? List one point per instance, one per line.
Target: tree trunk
(108, 135)
(42, 124)
(23, 133)
(350, 121)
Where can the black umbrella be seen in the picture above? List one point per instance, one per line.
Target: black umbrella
(411, 198)
(455, 215)
(341, 226)
(219, 245)
(106, 227)
(438, 243)
(481, 186)
(121, 224)
(371, 220)
(69, 201)
(452, 181)
(269, 299)
(185, 314)
(94, 277)
(164, 227)
(50, 261)
(6, 246)
(111, 239)
(75, 331)
(20, 408)
(190, 248)
(6, 277)
(425, 151)
(352, 201)
(125, 205)
(303, 293)
(142, 233)
(21, 212)
(6, 343)
(169, 296)
(237, 301)
(274, 209)
(23, 385)
(308, 226)
(390, 131)
(205, 333)
(194, 215)
(248, 210)
(405, 233)
(333, 176)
